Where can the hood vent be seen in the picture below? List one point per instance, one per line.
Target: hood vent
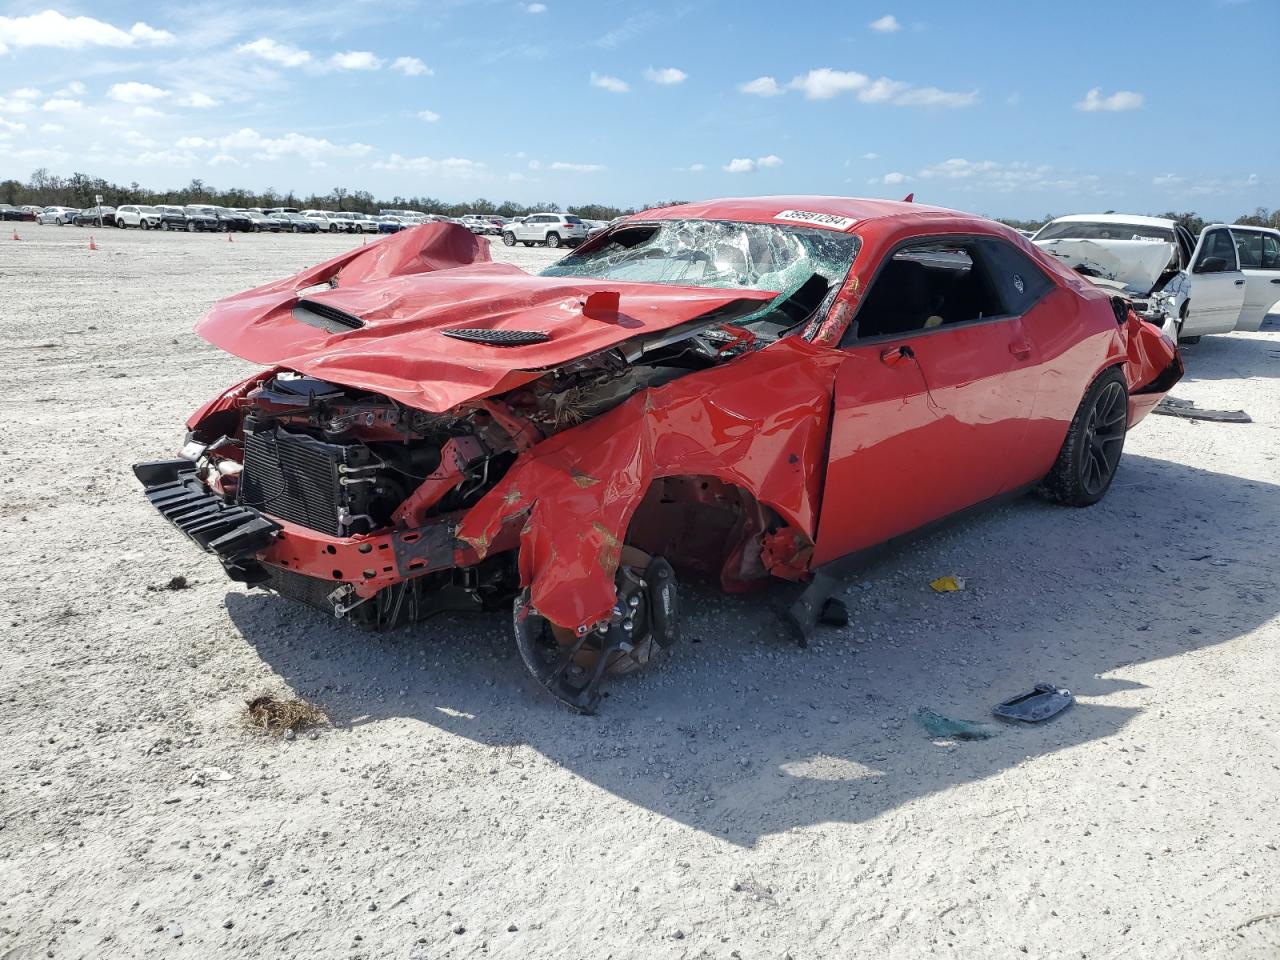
(498, 338)
(324, 317)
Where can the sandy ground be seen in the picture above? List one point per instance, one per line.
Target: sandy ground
(744, 799)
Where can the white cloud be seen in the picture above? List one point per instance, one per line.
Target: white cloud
(762, 87)
(248, 141)
(31, 93)
(411, 67)
(1094, 101)
(893, 179)
(428, 115)
(201, 101)
(73, 89)
(1016, 176)
(606, 82)
(135, 92)
(667, 76)
(147, 113)
(535, 164)
(886, 24)
(51, 128)
(356, 60)
(825, 83)
(697, 167)
(458, 168)
(1167, 180)
(18, 102)
(871, 156)
(578, 167)
(62, 105)
(224, 160)
(748, 165)
(9, 126)
(275, 52)
(535, 8)
(53, 29)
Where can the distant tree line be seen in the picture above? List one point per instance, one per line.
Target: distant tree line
(78, 190)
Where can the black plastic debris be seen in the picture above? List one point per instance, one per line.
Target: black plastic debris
(1173, 407)
(1043, 702)
(834, 613)
(944, 728)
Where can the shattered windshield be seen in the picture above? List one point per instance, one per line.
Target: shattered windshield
(806, 266)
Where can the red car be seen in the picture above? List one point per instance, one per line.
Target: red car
(744, 389)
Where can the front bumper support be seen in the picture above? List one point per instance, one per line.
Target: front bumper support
(235, 533)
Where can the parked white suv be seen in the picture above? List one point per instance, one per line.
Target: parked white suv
(137, 215)
(326, 220)
(553, 229)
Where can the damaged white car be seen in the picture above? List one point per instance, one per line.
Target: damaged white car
(1189, 287)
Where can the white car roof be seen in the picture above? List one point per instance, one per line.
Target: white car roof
(1242, 226)
(1126, 218)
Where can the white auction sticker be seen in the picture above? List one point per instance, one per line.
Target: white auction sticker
(830, 220)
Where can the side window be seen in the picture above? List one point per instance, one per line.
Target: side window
(1218, 253)
(925, 285)
(1270, 252)
(1249, 248)
(1016, 278)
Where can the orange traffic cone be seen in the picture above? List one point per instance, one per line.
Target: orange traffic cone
(92, 245)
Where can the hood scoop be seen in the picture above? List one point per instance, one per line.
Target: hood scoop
(324, 317)
(498, 338)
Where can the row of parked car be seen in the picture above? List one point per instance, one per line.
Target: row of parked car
(550, 229)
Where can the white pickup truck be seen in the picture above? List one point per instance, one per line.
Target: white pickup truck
(1227, 279)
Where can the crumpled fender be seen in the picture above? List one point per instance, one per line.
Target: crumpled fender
(759, 422)
(1152, 366)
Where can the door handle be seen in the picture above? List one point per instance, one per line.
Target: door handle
(895, 355)
(1020, 349)
(1238, 283)
(1275, 279)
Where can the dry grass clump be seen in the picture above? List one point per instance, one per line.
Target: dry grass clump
(278, 716)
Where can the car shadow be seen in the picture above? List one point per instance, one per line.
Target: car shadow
(741, 734)
(1235, 356)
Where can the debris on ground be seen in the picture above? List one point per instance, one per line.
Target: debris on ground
(947, 584)
(175, 583)
(283, 717)
(834, 613)
(944, 728)
(1035, 705)
(1174, 407)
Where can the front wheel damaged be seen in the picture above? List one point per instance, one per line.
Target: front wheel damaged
(572, 664)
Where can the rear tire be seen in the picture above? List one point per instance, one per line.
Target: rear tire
(508, 238)
(1090, 454)
(553, 240)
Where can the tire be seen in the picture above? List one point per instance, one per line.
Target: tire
(1090, 454)
(164, 224)
(1182, 318)
(191, 227)
(120, 223)
(553, 240)
(508, 238)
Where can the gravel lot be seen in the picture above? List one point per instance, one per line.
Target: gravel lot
(745, 798)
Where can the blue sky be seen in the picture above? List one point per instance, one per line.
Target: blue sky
(1003, 107)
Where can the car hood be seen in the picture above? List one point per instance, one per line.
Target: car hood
(376, 318)
(1135, 263)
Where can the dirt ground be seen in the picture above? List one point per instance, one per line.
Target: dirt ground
(743, 799)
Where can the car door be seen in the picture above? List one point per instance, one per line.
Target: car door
(928, 418)
(1215, 285)
(1259, 253)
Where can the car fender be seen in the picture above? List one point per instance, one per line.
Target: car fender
(760, 423)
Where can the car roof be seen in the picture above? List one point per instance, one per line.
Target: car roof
(1131, 219)
(766, 209)
(1241, 226)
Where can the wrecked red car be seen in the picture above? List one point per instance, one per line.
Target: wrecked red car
(741, 389)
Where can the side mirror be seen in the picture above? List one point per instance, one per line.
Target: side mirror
(1211, 265)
